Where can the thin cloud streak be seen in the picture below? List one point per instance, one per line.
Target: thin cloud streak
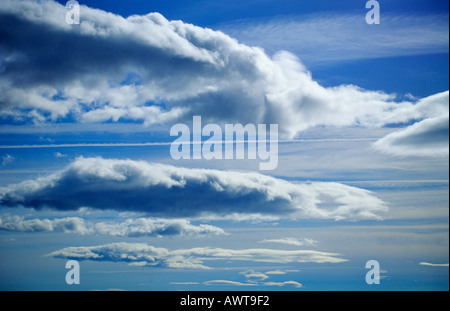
(433, 264)
(324, 38)
(169, 143)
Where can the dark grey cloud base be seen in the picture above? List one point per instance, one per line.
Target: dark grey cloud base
(169, 191)
(149, 70)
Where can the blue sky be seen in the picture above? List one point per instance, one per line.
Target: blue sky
(86, 171)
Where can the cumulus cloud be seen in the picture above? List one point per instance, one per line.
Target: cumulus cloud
(150, 70)
(428, 137)
(425, 138)
(139, 254)
(169, 191)
(130, 228)
(291, 241)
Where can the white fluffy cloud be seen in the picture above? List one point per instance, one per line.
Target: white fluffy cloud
(169, 191)
(151, 70)
(129, 228)
(139, 254)
(425, 138)
(428, 137)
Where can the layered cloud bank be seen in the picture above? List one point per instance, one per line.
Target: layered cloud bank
(150, 70)
(128, 228)
(169, 191)
(140, 254)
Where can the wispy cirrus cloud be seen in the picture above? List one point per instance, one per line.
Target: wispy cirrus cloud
(169, 191)
(139, 254)
(332, 37)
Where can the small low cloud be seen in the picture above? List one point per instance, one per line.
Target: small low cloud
(16, 223)
(7, 159)
(285, 283)
(60, 155)
(227, 283)
(254, 276)
(236, 283)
